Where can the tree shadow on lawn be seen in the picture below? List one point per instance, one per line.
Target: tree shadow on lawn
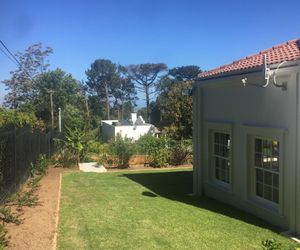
(178, 185)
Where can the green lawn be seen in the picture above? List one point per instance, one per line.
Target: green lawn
(151, 210)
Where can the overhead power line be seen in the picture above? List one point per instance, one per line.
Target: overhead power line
(14, 59)
(13, 56)
(8, 56)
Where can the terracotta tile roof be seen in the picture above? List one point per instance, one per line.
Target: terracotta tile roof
(288, 51)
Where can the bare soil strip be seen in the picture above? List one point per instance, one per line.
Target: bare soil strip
(40, 223)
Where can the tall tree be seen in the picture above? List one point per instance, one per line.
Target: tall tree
(21, 85)
(101, 79)
(185, 73)
(145, 77)
(66, 91)
(124, 93)
(176, 110)
(176, 76)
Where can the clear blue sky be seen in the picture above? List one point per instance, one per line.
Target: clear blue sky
(176, 32)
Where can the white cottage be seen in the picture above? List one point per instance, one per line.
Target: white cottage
(247, 134)
(133, 128)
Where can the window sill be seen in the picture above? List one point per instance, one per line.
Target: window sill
(220, 186)
(274, 210)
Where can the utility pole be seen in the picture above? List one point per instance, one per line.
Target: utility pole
(52, 112)
(59, 120)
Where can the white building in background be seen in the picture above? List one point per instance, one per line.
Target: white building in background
(133, 128)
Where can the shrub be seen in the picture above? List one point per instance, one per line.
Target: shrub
(94, 147)
(7, 216)
(156, 149)
(121, 149)
(72, 148)
(181, 152)
(3, 237)
(271, 244)
(40, 167)
(159, 158)
(20, 119)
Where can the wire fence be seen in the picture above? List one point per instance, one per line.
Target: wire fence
(19, 147)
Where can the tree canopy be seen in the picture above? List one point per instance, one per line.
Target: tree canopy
(145, 77)
(21, 85)
(102, 79)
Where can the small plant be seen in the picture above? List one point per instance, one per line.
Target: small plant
(3, 237)
(94, 147)
(34, 183)
(27, 198)
(40, 167)
(72, 148)
(156, 149)
(159, 158)
(122, 150)
(181, 152)
(7, 216)
(271, 244)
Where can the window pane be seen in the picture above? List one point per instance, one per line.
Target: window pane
(267, 147)
(276, 180)
(259, 175)
(275, 195)
(221, 154)
(217, 173)
(267, 162)
(259, 189)
(217, 140)
(268, 178)
(258, 160)
(267, 192)
(216, 149)
(217, 162)
(223, 164)
(275, 148)
(258, 146)
(275, 164)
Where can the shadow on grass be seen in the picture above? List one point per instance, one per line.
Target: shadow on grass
(178, 185)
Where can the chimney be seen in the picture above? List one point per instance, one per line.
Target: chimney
(133, 117)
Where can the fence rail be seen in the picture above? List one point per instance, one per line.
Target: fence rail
(19, 147)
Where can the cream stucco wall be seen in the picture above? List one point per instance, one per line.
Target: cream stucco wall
(246, 111)
(134, 132)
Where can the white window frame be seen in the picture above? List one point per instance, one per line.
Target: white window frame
(226, 128)
(268, 134)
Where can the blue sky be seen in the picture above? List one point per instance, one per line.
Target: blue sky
(178, 32)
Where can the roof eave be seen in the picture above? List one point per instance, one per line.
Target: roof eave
(245, 73)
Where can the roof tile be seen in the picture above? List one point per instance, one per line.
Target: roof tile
(288, 51)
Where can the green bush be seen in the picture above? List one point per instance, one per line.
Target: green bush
(3, 237)
(72, 148)
(94, 147)
(181, 152)
(121, 149)
(156, 149)
(271, 245)
(40, 167)
(20, 119)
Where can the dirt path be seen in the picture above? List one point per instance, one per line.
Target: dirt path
(38, 229)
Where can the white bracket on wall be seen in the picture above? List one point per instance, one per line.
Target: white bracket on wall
(267, 75)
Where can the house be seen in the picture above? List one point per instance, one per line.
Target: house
(247, 134)
(133, 128)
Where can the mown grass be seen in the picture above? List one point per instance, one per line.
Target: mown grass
(151, 210)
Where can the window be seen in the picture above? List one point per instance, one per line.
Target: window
(221, 156)
(266, 169)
